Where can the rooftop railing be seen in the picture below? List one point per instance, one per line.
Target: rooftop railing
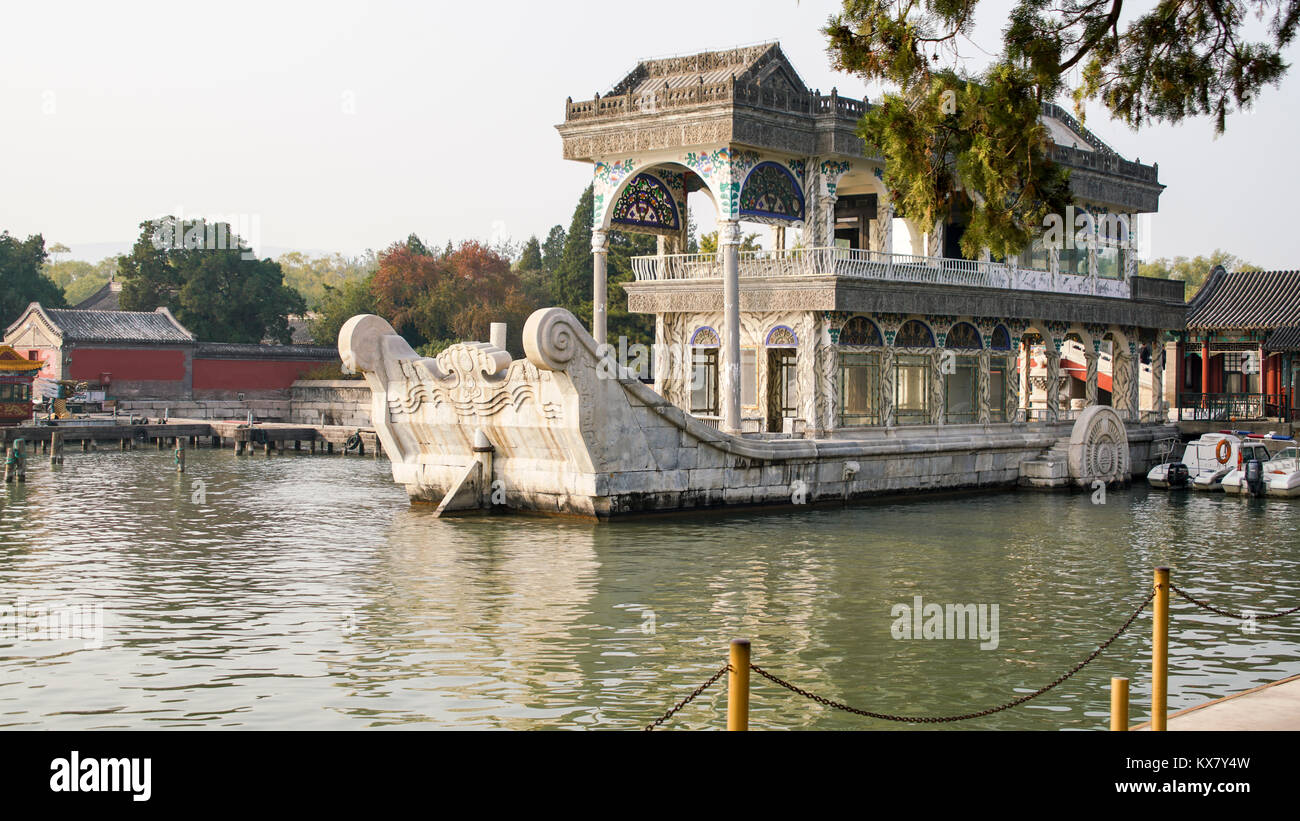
(858, 263)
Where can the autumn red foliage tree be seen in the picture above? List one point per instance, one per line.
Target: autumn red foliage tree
(435, 298)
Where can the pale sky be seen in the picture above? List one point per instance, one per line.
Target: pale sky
(344, 126)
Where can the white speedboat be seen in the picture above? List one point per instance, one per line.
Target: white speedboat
(1282, 473)
(1207, 461)
(1234, 481)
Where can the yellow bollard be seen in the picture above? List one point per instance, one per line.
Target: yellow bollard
(1160, 652)
(738, 686)
(1118, 704)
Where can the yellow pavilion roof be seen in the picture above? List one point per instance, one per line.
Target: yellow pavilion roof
(13, 362)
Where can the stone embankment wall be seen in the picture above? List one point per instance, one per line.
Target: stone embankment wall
(313, 402)
(331, 402)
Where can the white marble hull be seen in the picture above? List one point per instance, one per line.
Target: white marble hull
(562, 432)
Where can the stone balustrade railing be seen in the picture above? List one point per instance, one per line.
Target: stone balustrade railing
(652, 102)
(876, 265)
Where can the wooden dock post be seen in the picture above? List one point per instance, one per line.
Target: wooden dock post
(179, 455)
(11, 464)
(56, 448)
(1118, 704)
(738, 686)
(1160, 652)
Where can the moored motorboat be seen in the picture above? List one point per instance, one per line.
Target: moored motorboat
(1282, 473)
(1209, 462)
(1236, 480)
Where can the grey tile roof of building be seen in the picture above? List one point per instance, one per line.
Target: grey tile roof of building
(1246, 301)
(1284, 339)
(118, 326)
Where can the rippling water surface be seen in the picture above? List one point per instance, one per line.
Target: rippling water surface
(306, 593)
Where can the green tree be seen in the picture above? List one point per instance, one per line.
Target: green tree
(952, 139)
(22, 277)
(530, 259)
(311, 275)
(553, 249)
(571, 280)
(79, 279)
(338, 304)
(213, 291)
(1193, 270)
(708, 243)
(532, 276)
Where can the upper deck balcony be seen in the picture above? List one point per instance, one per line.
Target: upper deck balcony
(860, 264)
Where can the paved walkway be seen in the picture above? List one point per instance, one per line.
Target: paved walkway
(1273, 706)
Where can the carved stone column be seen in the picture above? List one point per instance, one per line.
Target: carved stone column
(812, 199)
(1158, 376)
(1022, 381)
(662, 356)
(888, 380)
(1092, 358)
(1135, 385)
(938, 389)
(729, 245)
(599, 254)
(982, 389)
(1052, 390)
(1011, 400)
(1121, 393)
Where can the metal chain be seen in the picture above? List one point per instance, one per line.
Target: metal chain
(944, 719)
(1228, 613)
(726, 668)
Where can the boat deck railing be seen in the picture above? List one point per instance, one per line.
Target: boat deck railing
(859, 263)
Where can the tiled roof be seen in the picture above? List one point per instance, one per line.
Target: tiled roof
(105, 299)
(1284, 339)
(706, 67)
(244, 350)
(1246, 301)
(118, 326)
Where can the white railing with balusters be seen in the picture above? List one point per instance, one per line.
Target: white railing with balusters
(865, 264)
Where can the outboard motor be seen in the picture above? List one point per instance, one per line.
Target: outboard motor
(1255, 477)
(1178, 475)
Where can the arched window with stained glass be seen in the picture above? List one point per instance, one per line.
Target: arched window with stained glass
(914, 334)
(781, 337)
(860, 331)
(1000, 340)
(705, 337)
(771, 191)
(647, 203)
(963, 336)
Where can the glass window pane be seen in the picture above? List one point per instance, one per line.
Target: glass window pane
(859, 389)
(959, 393)
(704, 381)
(998, 390)
(912, 390)
(748, 377)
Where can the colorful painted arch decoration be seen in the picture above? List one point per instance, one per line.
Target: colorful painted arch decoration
(771, 192)
(647, 203)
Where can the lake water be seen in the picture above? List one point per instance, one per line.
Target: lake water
(305, 592)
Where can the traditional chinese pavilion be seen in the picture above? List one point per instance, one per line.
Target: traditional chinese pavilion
(17, 373)
(1239, 356)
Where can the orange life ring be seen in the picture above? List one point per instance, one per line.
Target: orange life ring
(1223, 451)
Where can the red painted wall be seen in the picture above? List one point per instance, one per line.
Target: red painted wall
(127, 364)
(247, 375)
